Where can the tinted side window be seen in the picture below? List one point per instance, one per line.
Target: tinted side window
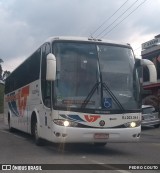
(25, 73)
(34, 66)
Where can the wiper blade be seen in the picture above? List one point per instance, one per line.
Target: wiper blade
(113, 96)
(85, 102)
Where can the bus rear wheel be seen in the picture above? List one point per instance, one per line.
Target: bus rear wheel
(9, 125)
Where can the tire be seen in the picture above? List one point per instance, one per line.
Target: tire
(157, 126)
(11, 129)
(100, 144)
(37, 139)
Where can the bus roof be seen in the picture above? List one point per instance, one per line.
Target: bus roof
(85, 39)
(73, 38)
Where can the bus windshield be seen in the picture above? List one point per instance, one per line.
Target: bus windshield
(95, 76)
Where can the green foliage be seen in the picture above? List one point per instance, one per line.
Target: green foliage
(1, 97)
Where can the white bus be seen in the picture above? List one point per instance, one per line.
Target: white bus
(77, 90)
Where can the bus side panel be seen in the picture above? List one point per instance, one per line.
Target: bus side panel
(20, 104)
(16, 108)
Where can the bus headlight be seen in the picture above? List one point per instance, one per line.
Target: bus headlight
(132, 124)
(65, 123)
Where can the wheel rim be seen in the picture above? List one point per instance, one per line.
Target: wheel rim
(36, 131)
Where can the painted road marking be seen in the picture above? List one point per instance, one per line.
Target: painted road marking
(109, 167)
(3, 131)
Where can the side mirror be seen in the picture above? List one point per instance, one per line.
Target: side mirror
(51, 67)
(152, 70)
(137, 63)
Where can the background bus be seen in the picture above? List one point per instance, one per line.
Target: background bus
(77, 90)
(151, 51)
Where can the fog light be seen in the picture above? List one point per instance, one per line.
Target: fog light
(134, 135)
(58, 134)
(66, 123)
(64, 135)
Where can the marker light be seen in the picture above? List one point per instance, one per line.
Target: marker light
(66, 123)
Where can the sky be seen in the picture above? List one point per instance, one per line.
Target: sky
(26, 24)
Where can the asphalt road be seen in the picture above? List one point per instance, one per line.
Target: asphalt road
(19, 148)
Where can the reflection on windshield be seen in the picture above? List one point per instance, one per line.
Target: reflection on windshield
(76, 74)
(81, 66)
(117, 68)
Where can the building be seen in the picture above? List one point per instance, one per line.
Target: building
(151, 51)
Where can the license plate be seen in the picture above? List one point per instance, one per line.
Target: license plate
(101, 136)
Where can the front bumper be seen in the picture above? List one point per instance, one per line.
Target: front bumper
(87, 135)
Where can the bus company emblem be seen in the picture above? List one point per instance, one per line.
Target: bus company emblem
(102, 123)
(91, 118)
(17, 102)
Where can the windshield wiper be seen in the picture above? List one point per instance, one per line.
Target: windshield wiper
(107, 89)
(85, 102)
(113, 96)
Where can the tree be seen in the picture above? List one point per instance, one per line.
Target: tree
(5, 74)
(1, 69)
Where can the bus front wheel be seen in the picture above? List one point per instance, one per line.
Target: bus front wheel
(37, 139)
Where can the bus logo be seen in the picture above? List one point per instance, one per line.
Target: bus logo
(102, 123)
(17, 101)
(91, 118)
(22, 99)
